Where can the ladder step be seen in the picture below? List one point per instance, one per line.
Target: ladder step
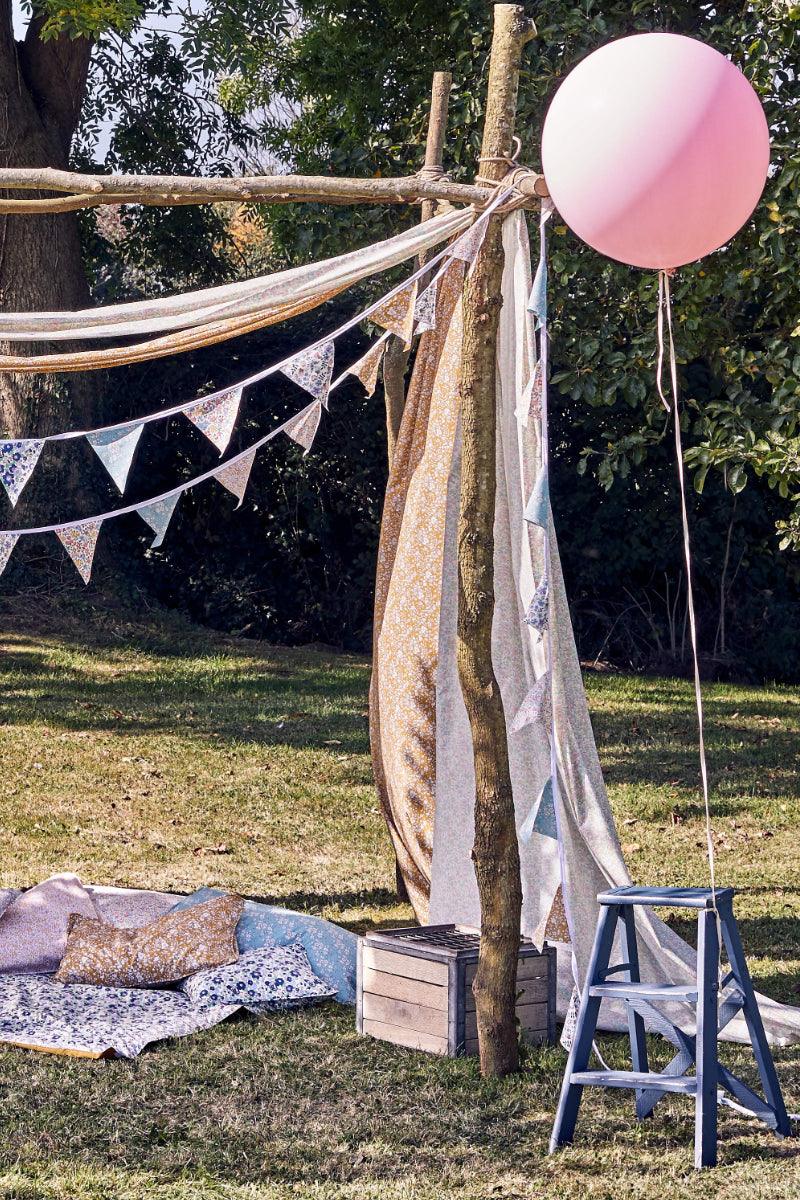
(687, 1084)
(620, 990)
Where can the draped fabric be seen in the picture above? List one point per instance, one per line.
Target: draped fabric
(421, 739)
(212, 315)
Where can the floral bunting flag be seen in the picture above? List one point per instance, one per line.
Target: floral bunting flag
(303, 428)
(7, 543)
(538, 609)
(17, 461)
(115, 448)
(312, 370)
(538, 505)
(425, 309)
(542, 817)
(466, 246)
(236, 476)
(537, 301)
(80, 542)
(557, 927)
(158, 515)
(216, 416)
(368, 366)
(536, 705)
(397, 313)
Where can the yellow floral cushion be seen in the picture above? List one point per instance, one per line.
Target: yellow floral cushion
(174, 946)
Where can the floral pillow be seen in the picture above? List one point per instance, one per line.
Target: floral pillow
(164, 951)
(264, 980)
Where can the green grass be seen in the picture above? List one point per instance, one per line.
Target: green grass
(168, 757)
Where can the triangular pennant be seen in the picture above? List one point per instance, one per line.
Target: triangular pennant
(537, 301)
(542, 817)
(368, 366)
(425, 309)
(536, 705)
(557, 927)
(216, 416)
(303, 428)
(236, 475)
(538, 609)
(530, 404)
(158, 515)
(115, 448)
(538, 505)
(7, 543)
(17, 460)
(80, 542)
(397, 313)
(312, 370)
(467, 246)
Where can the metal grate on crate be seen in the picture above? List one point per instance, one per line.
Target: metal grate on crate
(448, 938)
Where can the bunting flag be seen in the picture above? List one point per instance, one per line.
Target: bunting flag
(216, 416)
(236, 476)
(538, 609)
(397, 313)
(368, 366)
(17, 461)
(303, 428)
(115, 448)
(557, 927)
(80, 542)
(466, 247)
(536, 705)
(158, 516)
(537, 301)
(530, 404)
(425, 309)
(7, 543)
(538, 505)
(542, 817)
(312, 370)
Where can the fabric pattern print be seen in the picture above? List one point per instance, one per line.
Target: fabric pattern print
(303, 428)
(397, 313)
(536, 706)
(168, 949)
(466, 247)
(265, 980)
(236, 476)
(158, 516)
(312, 370)
(216, 416)
(33, 925)
(7, 543)
(368, 366)
(17, 461)
(39, 1013)
(425, 309)
(542, 817)
(80, 542)
(538, 505)
(538, 613)
(557, 927)
(115, 448)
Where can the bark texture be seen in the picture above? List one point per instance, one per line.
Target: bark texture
(495, 852)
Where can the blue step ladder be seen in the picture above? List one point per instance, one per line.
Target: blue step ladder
(716, 1004)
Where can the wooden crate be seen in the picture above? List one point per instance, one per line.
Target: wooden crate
(415, 988)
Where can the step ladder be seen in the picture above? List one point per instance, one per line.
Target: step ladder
(716, 1003)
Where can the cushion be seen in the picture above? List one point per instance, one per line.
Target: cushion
(265, 980)
(33, 928)
(164, 951)
(331, 950)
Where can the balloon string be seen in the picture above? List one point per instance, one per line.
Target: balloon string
(665, 306)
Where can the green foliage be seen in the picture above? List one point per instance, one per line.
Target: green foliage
(85, 18)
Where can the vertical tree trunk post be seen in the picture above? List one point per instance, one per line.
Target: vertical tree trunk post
(395, 360)
(495, 851)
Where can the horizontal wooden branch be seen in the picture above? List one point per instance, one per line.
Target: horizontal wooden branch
(90, 191)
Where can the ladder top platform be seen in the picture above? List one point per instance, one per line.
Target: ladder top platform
(668, 897)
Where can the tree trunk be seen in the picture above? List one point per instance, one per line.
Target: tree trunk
(496, 851)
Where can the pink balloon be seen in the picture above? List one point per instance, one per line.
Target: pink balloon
(655, 150)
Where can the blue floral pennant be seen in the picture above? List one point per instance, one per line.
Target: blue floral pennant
(115, 448)
(216, 416)
(538, 504)
(538, 614)
(312, 370)
(7, 543)
(17, 461)
(158, 515)
(542, 817)
(537, 301)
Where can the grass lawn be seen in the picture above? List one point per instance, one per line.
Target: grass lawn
(167, 757)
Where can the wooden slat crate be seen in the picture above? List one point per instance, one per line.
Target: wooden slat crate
(415, 988)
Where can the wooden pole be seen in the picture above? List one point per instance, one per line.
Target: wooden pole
(495, 851)
(395, 359)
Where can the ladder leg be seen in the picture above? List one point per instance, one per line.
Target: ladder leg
(630, 955)
(705, 1127)
(570, 1099)
(755, 1026)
